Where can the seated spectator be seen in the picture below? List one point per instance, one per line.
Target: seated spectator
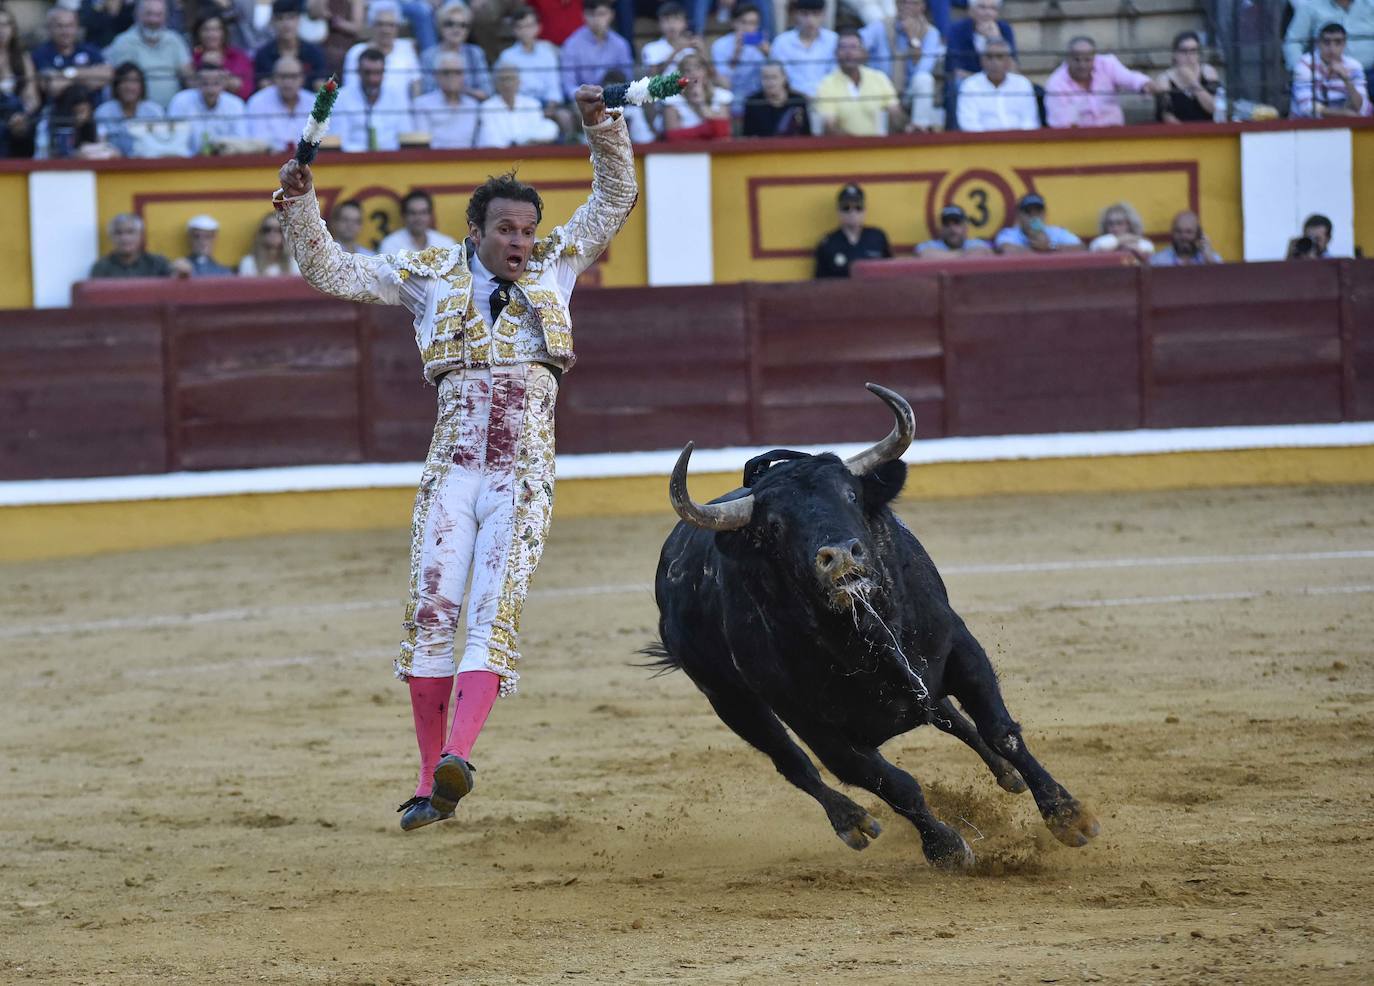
(212, 38)
(727, 10)
(966, 40)
(418, 233)
(420, 15)
(739, 55)
(401, 60)
(702, 110)
(537, 62)
(1329, 82)
(1082, 92)
(1121, 231)
(67, 129)
(105, 20)
(594, 49)
(511, 119)
(278, 113)
(212, 112)
(252, 22)
(269, 258)
(558, 19)
(16, 128)
(855, 100)
(1188, 90)
(61, 61)
(1315, 242)
(129, 103)
(641, 131)
(455, 25)
(953, 237)
(201, 232)
(345, 223)
(1304, 31)
(1188, 245)
(448, 114)
(1031, 234)
(853, 240)
(128, 258)
(664, 54)
(808, 50)
(997, 98)
(369, 115)
(286, 41)
(164, 57)
(776, 110)
(346, 22)
(917, 49)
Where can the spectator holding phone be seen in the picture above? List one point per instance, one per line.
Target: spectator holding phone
(1031, 234)
(1188, 245)
(739, 55)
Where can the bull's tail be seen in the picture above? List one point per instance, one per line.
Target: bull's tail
(663, 660)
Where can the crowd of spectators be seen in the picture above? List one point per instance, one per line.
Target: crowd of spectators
(185, 77)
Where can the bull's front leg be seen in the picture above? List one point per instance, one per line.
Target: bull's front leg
(952, 721)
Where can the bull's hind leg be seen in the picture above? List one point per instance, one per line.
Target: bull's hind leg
(952, 721)
(969, 677)
(759, 727)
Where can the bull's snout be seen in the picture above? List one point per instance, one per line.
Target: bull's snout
(837, 560)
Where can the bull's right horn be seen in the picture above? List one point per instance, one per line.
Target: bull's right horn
(728, 516)
(895, 443)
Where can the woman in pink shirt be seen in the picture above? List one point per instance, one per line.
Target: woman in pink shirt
(210, 35)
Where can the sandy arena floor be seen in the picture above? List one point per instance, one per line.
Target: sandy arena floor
(202, 749)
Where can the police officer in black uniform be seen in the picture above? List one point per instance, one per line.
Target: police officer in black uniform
(853, 240)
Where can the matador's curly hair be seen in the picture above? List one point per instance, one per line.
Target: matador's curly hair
(505, 186)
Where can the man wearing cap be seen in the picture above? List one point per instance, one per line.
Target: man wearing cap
(1031, 234)
(808, 50)
(200, 235)
(853, 240)
(953, 238)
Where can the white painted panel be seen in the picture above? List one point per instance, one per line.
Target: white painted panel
(1268, 192)
(64, 233)
(678, 199)
(1324, 161)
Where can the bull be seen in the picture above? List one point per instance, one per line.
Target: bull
(802, 601)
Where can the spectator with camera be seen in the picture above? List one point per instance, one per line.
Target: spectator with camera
(739, 55)
(1315, 241)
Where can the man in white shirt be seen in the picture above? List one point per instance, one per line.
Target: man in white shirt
(212, 112)
(277, 114)
(447, 113)
(368, 116)
(540, 71)
(511, 119)
(997, 98)
(417, 211)
(808, 50)
(399, 54)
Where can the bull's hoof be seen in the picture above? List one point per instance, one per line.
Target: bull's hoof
(946, 849)
(1010, 781)
(858, 837)
(1072, 824)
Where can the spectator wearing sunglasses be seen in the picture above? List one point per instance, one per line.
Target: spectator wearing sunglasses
(953, 238)
(853, 240)
(455, 27)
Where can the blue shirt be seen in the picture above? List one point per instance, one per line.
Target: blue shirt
(207, 267)
(539, 70)
(586, 60)
(1057, 235)
(743, 76)
(971, 245)
(806, 67)
(46, 56)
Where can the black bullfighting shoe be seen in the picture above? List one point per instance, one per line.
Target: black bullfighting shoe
(419, 812)
(452, 782)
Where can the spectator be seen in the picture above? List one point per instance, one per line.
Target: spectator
(853, 240)
(448, 114)
(68, 128)
(808, 50)
(105, 20)
(128, 258)
(1188, 245)
(455, 24)
(130, 103)
(1329, 82)
(16, 128)
(211, 37)
(677, 41)
(702, 110)
(953, 237)
(1031, 234)
(1316, 230)
(1304, 31)
(1188, 90)
(420, 15)
(286, 41)
(627, 10)
(855, 100)
(1121, 231)
(162, 54)
(277, 114)
(347, 20)
(200, 238)
(537, 62)
(1082, 92)
(213, 113)
(61, 61)
(918, 48)
(269, 258)
(345, 223)
(739, 55)
(594, 49)
(369, 115)
(730, 9)
(996, 98)
(402, 62)
(511, 119)
(966, 40)
(776, 110)
(635, 119)
(252, 21)
(418, 233)
(17, 75)
(558, 19)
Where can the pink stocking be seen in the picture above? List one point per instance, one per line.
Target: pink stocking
(476, 692)
(429, 704)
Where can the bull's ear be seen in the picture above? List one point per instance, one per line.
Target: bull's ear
(882, 485)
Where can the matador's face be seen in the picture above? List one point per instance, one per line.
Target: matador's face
(504, 245)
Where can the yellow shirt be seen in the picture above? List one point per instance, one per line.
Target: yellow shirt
(858, 110)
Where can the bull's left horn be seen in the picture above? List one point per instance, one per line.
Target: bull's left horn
(728, 516)
(894, 444)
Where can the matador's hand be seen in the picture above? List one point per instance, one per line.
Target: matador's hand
(591, 104)
(296, 178)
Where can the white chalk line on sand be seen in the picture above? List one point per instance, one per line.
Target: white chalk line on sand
(172, 620)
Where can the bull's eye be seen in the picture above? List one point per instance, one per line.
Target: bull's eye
(851, 496)
(775, 527)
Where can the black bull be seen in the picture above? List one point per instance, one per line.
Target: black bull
(802, 599)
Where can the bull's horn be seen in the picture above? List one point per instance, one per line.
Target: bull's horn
(728, 516)
(894, 444)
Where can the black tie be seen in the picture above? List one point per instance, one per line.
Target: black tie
(499, 299)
